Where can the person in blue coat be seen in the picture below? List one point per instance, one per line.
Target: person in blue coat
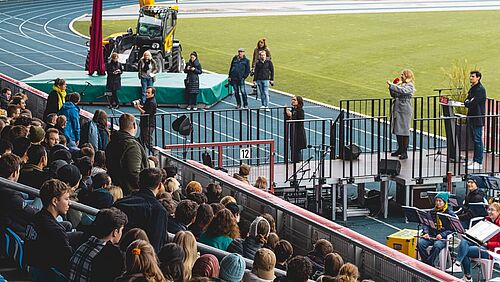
(72, 113)
(238, 72)
(435, 237)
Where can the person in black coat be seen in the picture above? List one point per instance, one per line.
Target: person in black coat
(473, 204)
(476, 105)
(56, 98)
(114, 81)
(148, 117)
(297, 131)
(192, 81)
(5, 98)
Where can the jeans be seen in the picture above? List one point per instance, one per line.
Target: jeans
(145, 82)
(239, 87)
(263, 90)
(477, 138)
(437, 246)
(467, 250)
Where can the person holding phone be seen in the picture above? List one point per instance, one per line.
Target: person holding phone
(192, 81)
(114, 81)
(297, 132)
(263, 77)
(147, 123)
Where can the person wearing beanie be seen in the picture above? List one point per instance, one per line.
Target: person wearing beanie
(243, 173)
(435, 237)
(206, 265)
(473, 203)
(70, 174)
(263, 267)
(232, 268)
(37, 134)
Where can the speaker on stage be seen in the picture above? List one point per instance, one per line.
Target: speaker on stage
(390, 167)
(352, 150)
(183, 125)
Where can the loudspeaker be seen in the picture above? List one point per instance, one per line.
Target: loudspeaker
(183, 125)
(351, 150)
(390, 167)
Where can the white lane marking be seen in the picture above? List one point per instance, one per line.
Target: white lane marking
(384, 223)
(24, 58)
(16, 68)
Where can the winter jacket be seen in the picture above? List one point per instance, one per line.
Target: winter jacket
(174, 226)
(94, 134)
(72, 113)
(297, 131)
(220, 242)
(470, 211)
(240, 68)
(247, 248)
(443, 232)
(113, 81)
(125, 158)
(53, 102)
(14, 212)
(255, 57)
(401, 108)
(4, 102)
(32, 176)
(149, 117)
(99, 198)
(47, 244)
(476, 105)
(147, 68)
(264, 70)
(495, 241)
(192, 81)
(146, 212)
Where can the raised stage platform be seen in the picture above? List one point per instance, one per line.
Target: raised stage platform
(169, 87)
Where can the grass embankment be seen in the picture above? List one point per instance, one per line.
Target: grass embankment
(333, 57)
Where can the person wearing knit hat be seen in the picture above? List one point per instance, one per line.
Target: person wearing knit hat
(37, 134)
(232, 268)
(435, 237)
(69, 174)
(206, 265)
(263, 267)
(243, 173)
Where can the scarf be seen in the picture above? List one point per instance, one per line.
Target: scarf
(61, 95)
(438, 222)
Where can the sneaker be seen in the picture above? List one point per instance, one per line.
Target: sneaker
(262, 107)
(245, 107)
(465, 278)
(457, 267)
(395, 154)
(238, 106)
(474, 166)
(188, 108)
(267, 109)
(195, 109)
(403, 156)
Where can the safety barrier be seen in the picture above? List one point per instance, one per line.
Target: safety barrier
(302, 228)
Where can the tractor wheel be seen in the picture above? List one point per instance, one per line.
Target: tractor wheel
(177, 64)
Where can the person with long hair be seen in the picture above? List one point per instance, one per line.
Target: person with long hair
(96, 131)
(141, 263)
(114, 81)
(171, 258)
(261, 46)
(297, 132)
(187, 242)
(56, 98)
(348, 273)
(402, 90)
(192, 82)
(147, 69)
(221, 231)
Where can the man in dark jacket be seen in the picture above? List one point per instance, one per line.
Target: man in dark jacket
(47, 244)
(144, 210)
(14, 212)
(5, 98)
(238, 72)
(148, 118)
(125, 157)
(475, 204)
(32, 173)
(185, 215)
(476, 105)
(263, 76)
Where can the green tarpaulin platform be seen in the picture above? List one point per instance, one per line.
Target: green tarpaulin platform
(169, 86)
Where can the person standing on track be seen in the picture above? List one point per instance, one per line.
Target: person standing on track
(192, 81)
(238, 72)
(147, 69)
(261, 46)
(263, 77)
(402, 90)
(114, 81)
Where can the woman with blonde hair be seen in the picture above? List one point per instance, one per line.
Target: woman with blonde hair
(141, 263)
(187, 242)
(348, 273)
(261, 46)
(402, 89)
(261, 183)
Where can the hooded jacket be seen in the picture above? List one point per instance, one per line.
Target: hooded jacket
(125, 158)
(72, 113)
(470, 211)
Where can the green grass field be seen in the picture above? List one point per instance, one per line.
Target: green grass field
(333, 57)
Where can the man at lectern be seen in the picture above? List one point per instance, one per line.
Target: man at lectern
(476, 105)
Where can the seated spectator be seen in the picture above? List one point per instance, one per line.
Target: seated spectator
(204, 216)
(63, 140)
(84, 164)
(154, 161)
(263, 267)
(187, 242)
(271, 221)
(321, 248)
(47, 244)
(72, 113)
(214, 193)
(99, 163)
(185, 215)
(96, 131)
(172, 187)
(5, 146)
(475, 196)
(51, 121)
(206, 265)
(51, 138)
(235, 209)
(17, 131)
(259, 231)
(14, 212)
(272, 240)
(5, 96)
(54, 167)
(232, 268)
(348, 273)
(227, 199)
(70, 175)
(193, 186)
(299, 270)
(243, 173)
(130, 236)
(221, 231)
(198, 198)
(87, 150)
(36, 135)
(172, 262)
(168, 203)
(13, 112)
(61, 123)
(216, 207)
(32, 173)
(144, 210)
(141, 263)
(333, 263)
(116, 192)
(99, 259)
(283, 251)
(261, 183)
(99, 197)
(60, 152)
(21, 146)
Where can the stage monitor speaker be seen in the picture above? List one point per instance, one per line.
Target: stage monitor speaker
(389, 167)
(353, 151)
(183, 125)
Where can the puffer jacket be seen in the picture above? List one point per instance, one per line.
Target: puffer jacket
(72, 113)
(247, 248)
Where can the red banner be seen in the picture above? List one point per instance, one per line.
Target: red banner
(96, 56)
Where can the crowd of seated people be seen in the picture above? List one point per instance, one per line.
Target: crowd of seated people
(139, 204)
